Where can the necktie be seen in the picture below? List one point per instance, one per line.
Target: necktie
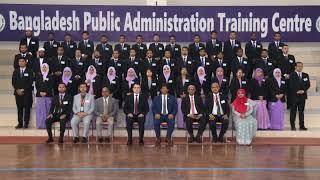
(103, 47)
(232, 43)
(202, 61)
(192, 106)
(51, 43)
(217, 104)
(122, 46)
(68, 44)
(135, 111)
(220, 62)
(254, 44)
(184, 60)
(21, 75)
(277, 44)
(61, 98)
(197, 45)
(105, 109)
(164, 105)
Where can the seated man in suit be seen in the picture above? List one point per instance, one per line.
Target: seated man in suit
(193, 110)
(106, 109)
(217, 108)
(59, 112)
(136, 108)
(299, 85)
(164, 107)
(83, 107)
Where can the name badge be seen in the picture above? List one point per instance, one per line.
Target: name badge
(170, 81)
(217, 45)
(258, 46)
(153, 84)
(107, 49)
(172, 64)
(32, 42)
(46, 79)
(86, 101)
(245, 62)
(223, 101)
(224, 64)
(237, 45)
(119, 65)
(176, 49)
(136, 63)
(200, 47)
(55, 45)
(81, 108)
(100, 63)
(270, 64)
(65, 102)
(160, 48)
(283, 82)
(62, 62)
(305, 79)
(88, 45)
(70, 81)
(113, 82)
(71, 46)
(207, 63)
(189, 62)
(290, 61)
(26, 74)
(187, 80)
(280, 47)
(246, 104)
(141, 48)
(93, 80)
(154, 64)
(80, 63)
(224, 80)
(244, 82)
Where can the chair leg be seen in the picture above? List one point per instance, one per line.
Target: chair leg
(54, 131)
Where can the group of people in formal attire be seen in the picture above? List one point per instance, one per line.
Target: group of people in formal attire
(159, 86)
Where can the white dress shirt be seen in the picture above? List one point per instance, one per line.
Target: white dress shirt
(215, 108)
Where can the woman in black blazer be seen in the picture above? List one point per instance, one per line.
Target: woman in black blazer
(128, 82)
(167, 77)
(222, 80)
(93, 82)
(44, 86)
(202, 82)
(68, 79)
(238, 82)
(113, 83)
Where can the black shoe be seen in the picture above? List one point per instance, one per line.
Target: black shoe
(75, 140)
(170, 142)
(19, 126)
(158, 142)
(293, 129)
(100, 140)
(50, 140)
(141, 142)
(191, 139)
(108, 140)
(129, 143)
(60, 140)
(303, 129)
(214, 140)
(84, 140)
(198, 139)
(221, 139)
(25, 127)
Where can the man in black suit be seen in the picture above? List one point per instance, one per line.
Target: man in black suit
(167, 60)
(37, 62)
(136, 108)
(86, 45)
(51, 46)
(241, 62)
(69, 46)
(132, 62)
(59, 62)
(104, 48)
(185, 61)
(23, 54)
(205, 62)
(117, 63)
(156, 47)
(275, 49)
(174, 48)
(78, 66)
(122, 47)
(140, 48)
(213, 45)
(253, 50)
(217, 108)
(193, 110)
(31, 42)
(60, 111)
(99, 63)
(195, 47)
(230, 47)
(299, 85)
(22, 79)
(220, 61)
(265, 63)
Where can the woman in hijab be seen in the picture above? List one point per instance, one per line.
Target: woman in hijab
(277, 89)
(93, 82)
(202, 82)
(44, 87)
(245, 123)
(128, 82)
(113, 83)
(222, 80)
(149, 88)
(259, 91)
(69, 81)
(183, 81)
(167, 77)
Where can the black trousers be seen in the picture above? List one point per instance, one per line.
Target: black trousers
(213, 126)
(298, 103)
(130, 121)
(202, 125)
(56, 118)
(24, 104)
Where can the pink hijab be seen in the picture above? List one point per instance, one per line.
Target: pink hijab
(44, 74)
(220, 77)
(90, 77)
(201, 76)
(111, 76)
(277, 77)
(131, 78)
(166, 74)
(65, 78)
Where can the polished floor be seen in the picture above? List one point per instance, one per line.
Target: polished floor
(115, 161)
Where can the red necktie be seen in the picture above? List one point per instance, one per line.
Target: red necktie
(192, 106)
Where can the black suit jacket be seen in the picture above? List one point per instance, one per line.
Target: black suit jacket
(143, 106)
(246, 66)
(119, 66)
(229, 51)
(180, 88)
(125, 87)
(225, 65)
(235, 85)
(213, 49)
(69, 50)
(78, 68)
(252, 52)
(141, 50)
(153, 90)
(135, 64)
(257, 89)
(158, 51)
(194, 51)
(186, 105)
(274, 89)
(189, 64)
(36, 65)
(205, 85)
(27, 57)
(153, 65)
(24, 82)
(208, 65)
(274, 52)
(87, 50)
(223, 102)
(51, 50)
(175, 50)
(57, 65)
(297, 84)
(96, 85)
(266, 66)
(224, 86)
(100, 65)
(172, 63)
(44, 85)
(171, 83)
(106, 52)
(33, 45)
(287, 64)
(114, 86)
(124, 52)
(65, 106)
